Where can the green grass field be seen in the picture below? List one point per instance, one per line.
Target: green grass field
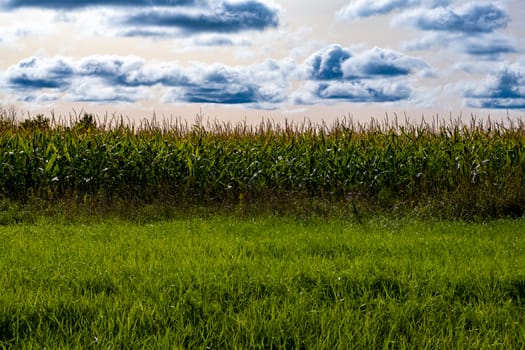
(226, 282)
(294, 236)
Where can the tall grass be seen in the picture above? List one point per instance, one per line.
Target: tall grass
(268, 283)
(450, 169)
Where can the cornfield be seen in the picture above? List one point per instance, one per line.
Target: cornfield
(462, 169)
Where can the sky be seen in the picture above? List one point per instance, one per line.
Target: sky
(250, 59)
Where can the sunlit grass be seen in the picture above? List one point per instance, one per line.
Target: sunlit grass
(269, 282)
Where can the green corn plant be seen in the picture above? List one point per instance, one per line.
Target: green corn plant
(476, 167)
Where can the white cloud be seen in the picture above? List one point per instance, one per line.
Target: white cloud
(357, 91)
(504, 89)
(128, 78)
(484, 46)
(471, 18)
(156, 18)
(470, 29)
(364, 8)
(383, 62)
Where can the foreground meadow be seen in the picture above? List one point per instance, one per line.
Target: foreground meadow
(226, 282)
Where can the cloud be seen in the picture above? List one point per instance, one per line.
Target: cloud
(467, 27)
(146, 33)
(129, 72)
(334, 73)
(365, 8)
(472, 29)
(127, 79)
(214, 41)
(95, 79)
(374, 75)
(224, 18)
(472, 18)
(72, 5)
(42, 98)
(337, 63)
(327, 64)
(165, 18)
(432, 15)
(215, 93)
(358, 91)
(263, 85)
(22, 29)
(378, 62)
(503, 90)
(96, 91)
(32, 74)
(12, 35)
(485, 46)
(491, 46)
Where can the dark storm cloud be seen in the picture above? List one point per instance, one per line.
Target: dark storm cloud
(505, 90)
(228, 17)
